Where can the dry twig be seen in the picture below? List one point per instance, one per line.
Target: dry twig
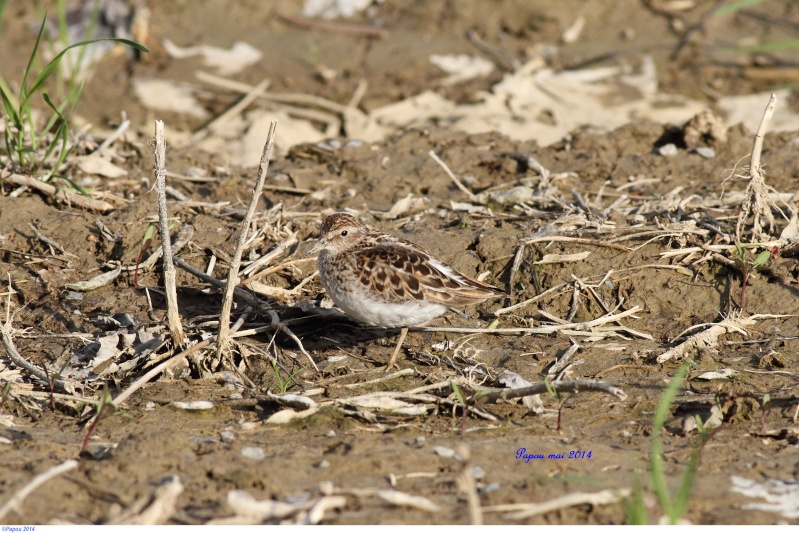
(558, 386)
(452, 176)
(172, 314)
(756, 203)
(233, 279)
(68, 197)
(34, 484)
(526, 510)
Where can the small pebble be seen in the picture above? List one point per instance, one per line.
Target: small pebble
(444, 452)
(491, 487)
(420, 440)
(330, 433)
(202, 439)
(200, 405)
(324, 463)
(254, 453)
(478, 472)
(668, 149)
(227, 436)
(706, 152)
(149, 406)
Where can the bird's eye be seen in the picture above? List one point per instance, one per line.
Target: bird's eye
(344, 233)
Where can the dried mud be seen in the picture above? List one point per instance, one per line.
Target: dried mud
(155, 439)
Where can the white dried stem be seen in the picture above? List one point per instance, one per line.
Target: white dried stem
(527, 510)
(172, 314)
(757, 203)
(233, 274)
(35, 483)
(708, 338)
(452, 176)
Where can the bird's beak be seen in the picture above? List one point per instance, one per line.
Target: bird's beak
(315, 250)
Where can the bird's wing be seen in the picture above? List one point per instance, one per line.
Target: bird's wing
(402, 271)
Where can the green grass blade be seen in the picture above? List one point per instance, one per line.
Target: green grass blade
(72, 184)
(48, 69)
(634, 506)
(24, 94)
(657, 475)
(61, 133)
(55, 116)
(736, 6)
(10, 111)
(3, 5)
(688, 478)
(63, 33)
(89, 32)
(773, 46)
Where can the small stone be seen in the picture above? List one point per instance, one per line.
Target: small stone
(253, 452)
(149, 406)
(324, 463)
(444, 452)
(227, 436)
(706, 152)
(491, 487)
(668, 150)
(330, 433)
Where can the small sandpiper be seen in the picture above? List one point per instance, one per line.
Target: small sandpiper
(382, 280)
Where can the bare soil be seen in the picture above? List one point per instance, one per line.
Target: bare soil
(356, 450)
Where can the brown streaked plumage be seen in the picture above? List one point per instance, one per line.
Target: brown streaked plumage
(383, 280)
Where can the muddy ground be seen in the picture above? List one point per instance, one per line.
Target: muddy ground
(663, 204)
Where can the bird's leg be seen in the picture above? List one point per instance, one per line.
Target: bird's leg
(461, 313)
(393, 359)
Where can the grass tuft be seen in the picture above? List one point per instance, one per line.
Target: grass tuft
(26, 146)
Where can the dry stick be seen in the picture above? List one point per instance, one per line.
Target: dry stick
(254, 302)
(282, 327)
(233, 274)
(503, 59)
(49, 242)
(557, 386)
(468, 486)
(67, 196)
(555, 289)
(454, 179)
(577, 240)
(234, 111)
(181, 239)
(114, 136)
(139, 383)
(709, 337)
(267, 258)
(239, 292)
(403, 372)
(278, 268)
(155, 508)
(172, 315)
(41, 479)
(756, 189)
(526, 510)
(17, 359)
(517, 263)
(286, 102)
(335, 27)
